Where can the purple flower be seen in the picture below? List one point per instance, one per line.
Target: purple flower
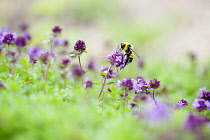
(64, 63)
(194, 122)
(154, 83)
(56, 30)
(57, 42)
(156, 112)
(80, 46)
(23, 27)
(1, 85)
(182, 103)
(89, 84)
(91, 65)
(77, 71)
(199, 104)
(204, 94)
(34, 53)
(207, 103)
(127, 83)
(9, 38)
(26, 35)
(20, 41)
(141, 86)
(109, 74)
(65, 43)
(117, 59)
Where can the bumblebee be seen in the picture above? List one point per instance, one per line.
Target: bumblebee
(129, 52)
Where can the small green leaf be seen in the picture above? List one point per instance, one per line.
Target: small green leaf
(104, 73)
(73, 54)
(106, 62)
(97, 83)
(109, 83)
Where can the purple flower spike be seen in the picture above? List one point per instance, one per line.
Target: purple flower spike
(64, 63)
(56, 30)
(89, 84)
(77, 71)
(194, 122)
(9, 38)
(91, 65)
(199, 104)
(20, 41)
(154, 84)
(34, 53)
(80, 46)
(117, 59)
(182, 103)
(141, 86)
(127, 83)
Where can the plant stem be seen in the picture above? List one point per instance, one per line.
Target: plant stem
(80, 64)
(153, 95)
(51, 46)
(104, 83)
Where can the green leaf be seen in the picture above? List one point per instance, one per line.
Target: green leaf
(104, 73)
(97, 83)
(109, 83)
(106, 62)
(73, 54)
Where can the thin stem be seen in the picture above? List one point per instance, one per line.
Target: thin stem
(80, 64)
(153, 95)
(104, 83)
(51, 46)
(47, 72)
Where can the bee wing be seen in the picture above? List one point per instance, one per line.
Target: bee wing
(135, 53)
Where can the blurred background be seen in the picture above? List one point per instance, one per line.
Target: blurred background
(160, 29)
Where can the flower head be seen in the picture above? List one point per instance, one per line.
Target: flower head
(194, 122)
(56, 30)
(127, 83)
(64, 63)
(77, 71)
(9, 38)
(117, 58)
(91, 65)
(204, 94)
(199, 104)
(34, 53)
(141, 86)
(20, 41)
(154, 83)
(80, 46)
(109, 72)
(89, 84)
(182, 103)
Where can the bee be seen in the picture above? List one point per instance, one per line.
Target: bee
(129, 52)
